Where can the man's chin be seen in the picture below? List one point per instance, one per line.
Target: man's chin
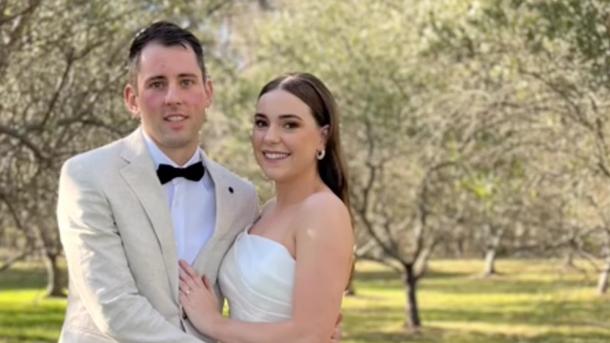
(179, 142)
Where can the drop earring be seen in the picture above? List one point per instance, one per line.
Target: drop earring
(320, 154)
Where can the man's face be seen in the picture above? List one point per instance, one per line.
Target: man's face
(171, 97)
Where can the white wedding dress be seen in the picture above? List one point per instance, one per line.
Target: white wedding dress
(257, 278)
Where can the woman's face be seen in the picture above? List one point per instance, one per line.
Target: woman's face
(285, 136)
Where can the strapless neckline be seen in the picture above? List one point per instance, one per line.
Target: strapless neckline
(257, 278)
(271, 242)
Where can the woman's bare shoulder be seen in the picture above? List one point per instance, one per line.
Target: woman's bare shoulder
(324, 211)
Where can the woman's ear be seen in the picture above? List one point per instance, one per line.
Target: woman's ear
(324, 131)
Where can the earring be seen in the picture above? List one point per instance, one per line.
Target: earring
(320, 154)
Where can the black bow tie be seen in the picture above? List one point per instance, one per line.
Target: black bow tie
(166, 173)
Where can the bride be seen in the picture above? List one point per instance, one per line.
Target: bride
(285, 275)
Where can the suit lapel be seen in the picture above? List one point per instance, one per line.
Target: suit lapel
(140, 175)
(222, 190)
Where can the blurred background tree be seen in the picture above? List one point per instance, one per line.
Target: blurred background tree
(472, 128)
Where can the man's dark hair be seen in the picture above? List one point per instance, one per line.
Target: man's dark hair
(166, 34)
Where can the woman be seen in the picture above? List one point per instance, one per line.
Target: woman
(284, 276)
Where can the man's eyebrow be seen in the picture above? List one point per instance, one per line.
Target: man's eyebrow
(188, 75)
(162, 77)
(155, 78)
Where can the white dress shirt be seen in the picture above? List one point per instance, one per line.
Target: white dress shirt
(192, 204)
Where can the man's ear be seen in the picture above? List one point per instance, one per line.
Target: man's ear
(129, 97)
(208, 87)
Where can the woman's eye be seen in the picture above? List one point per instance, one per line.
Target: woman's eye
(260, 123)
(291, 125)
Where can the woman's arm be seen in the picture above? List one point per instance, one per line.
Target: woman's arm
(324, 243)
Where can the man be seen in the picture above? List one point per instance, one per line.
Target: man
(129, 210)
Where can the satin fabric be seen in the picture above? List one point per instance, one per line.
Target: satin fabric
(257, 278)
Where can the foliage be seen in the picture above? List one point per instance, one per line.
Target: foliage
(62, 69)
(59, 86)
(551, 57)
(470, 126)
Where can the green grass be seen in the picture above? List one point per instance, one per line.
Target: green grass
(530, 301)
(25, 314)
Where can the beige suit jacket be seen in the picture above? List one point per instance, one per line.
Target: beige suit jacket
(116, 231)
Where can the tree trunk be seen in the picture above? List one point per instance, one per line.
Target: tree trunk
(412, 311)
(490, 262)
(55, 286)
(604, 276)
(568, 263)
(491, 253)
(460, 247)
(421, 264)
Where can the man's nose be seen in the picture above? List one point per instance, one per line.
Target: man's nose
(173, 94)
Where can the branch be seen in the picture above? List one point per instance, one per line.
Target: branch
(13, 259)
(28, 10)
(362, 210)
(24, 141)
(578, 117)
(62, 82)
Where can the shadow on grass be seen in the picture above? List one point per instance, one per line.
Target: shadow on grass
(31, 323)
(378, 276)
(500, 285)
(575, 322)
(368, 327)
(30, 278)
(29, 319)
(554, 312)
(377, 337)
(41, 338)
(390, 274)
(25, 315)
(468, 283)
(432, 334)
(572, 338)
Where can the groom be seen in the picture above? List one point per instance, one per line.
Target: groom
(129, 210)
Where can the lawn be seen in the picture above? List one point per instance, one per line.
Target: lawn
(530, 301)
(25, 315)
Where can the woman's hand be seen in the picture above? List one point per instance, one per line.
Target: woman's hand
(198, 299)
